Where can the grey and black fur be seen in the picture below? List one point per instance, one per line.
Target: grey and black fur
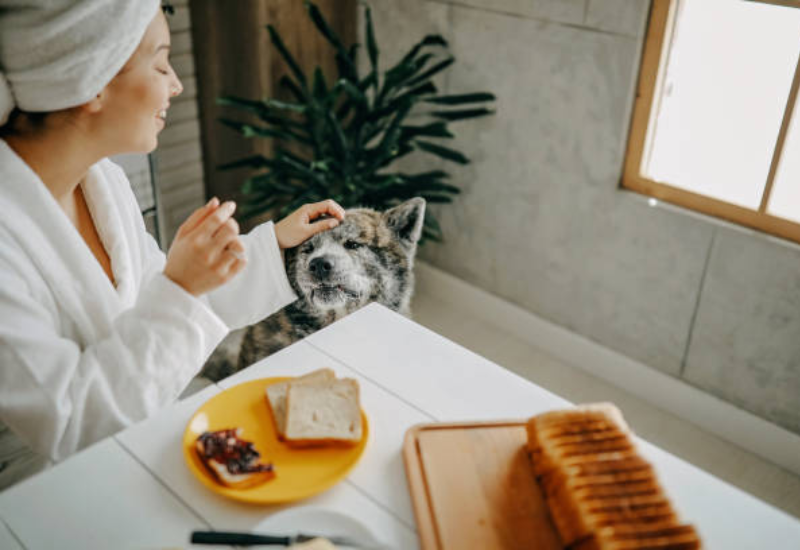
(368, 258)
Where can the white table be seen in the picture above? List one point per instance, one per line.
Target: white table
(134, 490)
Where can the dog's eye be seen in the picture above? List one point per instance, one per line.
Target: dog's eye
(307, 248)
(352, 245)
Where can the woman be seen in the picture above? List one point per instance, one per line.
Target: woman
(98, 329)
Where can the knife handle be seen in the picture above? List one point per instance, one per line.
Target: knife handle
(236, 539)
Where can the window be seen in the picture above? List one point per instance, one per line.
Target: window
(713, 125)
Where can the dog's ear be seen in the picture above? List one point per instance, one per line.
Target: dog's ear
(406, 220)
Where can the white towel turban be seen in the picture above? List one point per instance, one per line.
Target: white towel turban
(56, 54)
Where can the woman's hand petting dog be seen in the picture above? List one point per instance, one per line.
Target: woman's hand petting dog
(300, 225)
(206, 252)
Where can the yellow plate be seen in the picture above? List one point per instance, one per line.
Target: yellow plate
(300, 473)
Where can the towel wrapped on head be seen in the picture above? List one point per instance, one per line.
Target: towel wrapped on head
(56, 54)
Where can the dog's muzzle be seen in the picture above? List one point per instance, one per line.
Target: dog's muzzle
(321, 268)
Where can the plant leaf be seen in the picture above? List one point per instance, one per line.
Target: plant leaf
(422, 89)
(355, 93)
(250, 105)
(370, 80)
(320, 88)
(330, 35)
(339, 140)
(293, 88)
(398, 76)
(433, 174)
(251, 130)
(443, 152)
(392, 134)
(429, 40)
(277, 41)
(255, 161)
(434, 129)
(372, 46)
(442, 65)
(461, 98)
(462, 114)
(260, 108)
(285, 105)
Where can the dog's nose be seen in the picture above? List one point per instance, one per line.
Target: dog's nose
(320, 267)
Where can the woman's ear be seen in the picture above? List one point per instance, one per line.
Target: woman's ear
(96, 104)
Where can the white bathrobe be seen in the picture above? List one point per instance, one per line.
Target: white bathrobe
(80, 359)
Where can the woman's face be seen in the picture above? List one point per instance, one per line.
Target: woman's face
(137, 99)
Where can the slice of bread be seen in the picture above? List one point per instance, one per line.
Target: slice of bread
(215, 448)
(276, 395)
(314, 544)
(652, 536)
(323, 412)
(237, 481)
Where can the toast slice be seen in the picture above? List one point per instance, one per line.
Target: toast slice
(323, 412)
(276, 395)
(654, 536)
(232, 461)
(237, 481)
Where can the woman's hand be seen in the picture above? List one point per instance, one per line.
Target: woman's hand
(206, 252)
(299, 226)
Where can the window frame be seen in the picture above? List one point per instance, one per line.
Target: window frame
(654, 59)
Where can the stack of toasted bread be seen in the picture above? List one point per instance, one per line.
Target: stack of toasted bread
(601, 493)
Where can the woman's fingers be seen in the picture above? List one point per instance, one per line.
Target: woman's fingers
(225, 233)
(225, 242)
(227, 263)
(320, 226)
(212, 223)
(236, 248)
(298, 226)
(198, 216)
(206, 252)
(329, 207)
(231, 259)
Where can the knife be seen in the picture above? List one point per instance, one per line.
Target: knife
(254, 539)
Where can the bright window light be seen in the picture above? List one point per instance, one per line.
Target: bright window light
(719, 111)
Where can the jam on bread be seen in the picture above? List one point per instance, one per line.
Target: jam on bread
(232, 460)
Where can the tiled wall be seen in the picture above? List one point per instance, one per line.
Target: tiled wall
(542, 221)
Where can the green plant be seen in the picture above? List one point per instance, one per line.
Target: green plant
(340, 141)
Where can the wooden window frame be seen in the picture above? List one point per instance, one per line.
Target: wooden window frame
(654, 57)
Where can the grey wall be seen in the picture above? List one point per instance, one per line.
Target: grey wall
(542, 221)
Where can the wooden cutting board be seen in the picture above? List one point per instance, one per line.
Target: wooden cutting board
(472, 486)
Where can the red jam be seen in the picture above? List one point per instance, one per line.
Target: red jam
(238, 455)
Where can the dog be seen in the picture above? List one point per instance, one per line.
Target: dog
(369, 257)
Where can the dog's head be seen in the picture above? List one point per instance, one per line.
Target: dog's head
(368, 257)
